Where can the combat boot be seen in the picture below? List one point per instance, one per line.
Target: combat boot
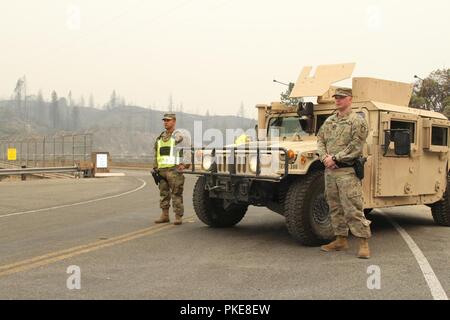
(178, 220)
(164, 217)
(338, 245)
(364, 251)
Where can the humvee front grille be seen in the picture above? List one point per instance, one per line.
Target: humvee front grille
(234, 162)
(223, 166)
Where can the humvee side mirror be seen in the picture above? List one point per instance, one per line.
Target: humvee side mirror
(305, 109)
(401, 139)
(306, 113)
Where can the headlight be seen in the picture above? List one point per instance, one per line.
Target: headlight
(253, 162)
(207, 162)
(265, 161)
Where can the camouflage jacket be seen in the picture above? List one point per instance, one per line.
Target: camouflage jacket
(343, 137)
(181, 142)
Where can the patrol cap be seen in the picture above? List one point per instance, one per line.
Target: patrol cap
(170, 116)
(343, 92)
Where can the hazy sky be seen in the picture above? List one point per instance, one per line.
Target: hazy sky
(212, 54)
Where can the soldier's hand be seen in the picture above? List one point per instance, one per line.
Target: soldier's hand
(329, 163)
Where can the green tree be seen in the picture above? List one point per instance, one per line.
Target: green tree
(70, 99)
(75, 118)
(447, 107)
(19, 94)
(82, 102)
(170, 106)
(91, 101)
(286, 99)
(40, 110)
(433, 92)
(241, 110)
(54, 111)
(112, 104)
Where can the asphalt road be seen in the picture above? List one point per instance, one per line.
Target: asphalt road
(105, 227)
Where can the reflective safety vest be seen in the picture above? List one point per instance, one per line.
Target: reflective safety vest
(242, 139)
(167, 154)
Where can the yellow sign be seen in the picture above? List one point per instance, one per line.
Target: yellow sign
(12, 154)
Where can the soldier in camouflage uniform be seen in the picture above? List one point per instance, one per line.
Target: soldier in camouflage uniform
(340, 143)
(169, 162)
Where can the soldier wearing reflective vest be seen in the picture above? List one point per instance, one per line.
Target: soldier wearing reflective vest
(169, 163)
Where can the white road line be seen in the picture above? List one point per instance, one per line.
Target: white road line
(432, 280)
(77, 203)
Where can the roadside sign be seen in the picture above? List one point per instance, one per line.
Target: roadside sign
(102, 161)
(12, 154)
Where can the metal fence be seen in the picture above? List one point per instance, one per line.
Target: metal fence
(54, 151)
(120, 158)
(130, 161)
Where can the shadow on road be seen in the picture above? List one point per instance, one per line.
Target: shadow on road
(407, 217)
(261, 230)
(274, 228)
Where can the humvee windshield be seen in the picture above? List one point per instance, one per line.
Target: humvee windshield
(287, 127)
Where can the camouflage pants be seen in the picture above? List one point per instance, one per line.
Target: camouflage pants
(343, 191)
(172, 188)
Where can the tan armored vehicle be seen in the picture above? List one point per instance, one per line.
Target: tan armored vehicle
(407, 153)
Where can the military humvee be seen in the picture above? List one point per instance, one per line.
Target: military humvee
(407, 153)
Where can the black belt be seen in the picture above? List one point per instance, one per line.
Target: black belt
(344, 165)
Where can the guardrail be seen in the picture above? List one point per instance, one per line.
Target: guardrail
(120, 158)
(131, 162)
(25, 171)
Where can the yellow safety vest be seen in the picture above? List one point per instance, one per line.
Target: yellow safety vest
(242, 139)
(167, 155)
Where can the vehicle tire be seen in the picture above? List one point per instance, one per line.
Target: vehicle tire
(307, 212)
(211, 211)
(441, 209)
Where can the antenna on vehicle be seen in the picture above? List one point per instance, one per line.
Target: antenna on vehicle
(284, 84)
